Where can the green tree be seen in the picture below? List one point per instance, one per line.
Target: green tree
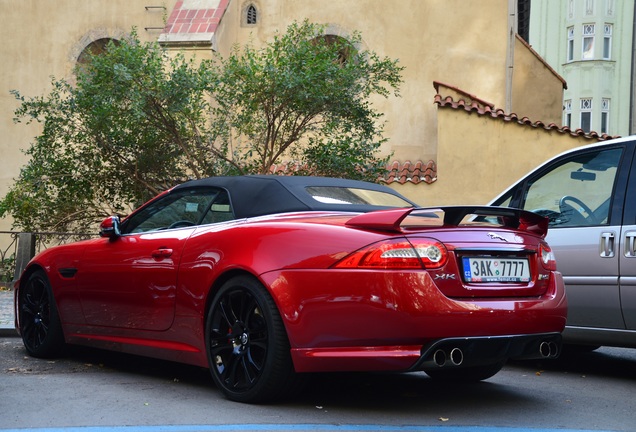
(306, 88)
(138, 120)
(134, 123)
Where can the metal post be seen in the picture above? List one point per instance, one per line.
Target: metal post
(24, 253)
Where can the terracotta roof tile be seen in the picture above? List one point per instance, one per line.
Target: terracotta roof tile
(396, 172)
(193, 22)
(287, 168)
(480, 109)
(408, 172)
(467, 96)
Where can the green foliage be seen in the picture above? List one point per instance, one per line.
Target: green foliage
(139, 120)
(344, 157)
(7, 270)
(134, 123)
(304, 88)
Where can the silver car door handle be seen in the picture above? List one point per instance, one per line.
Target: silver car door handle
(630, 244)
(608, 240)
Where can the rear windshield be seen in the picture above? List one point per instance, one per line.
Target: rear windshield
(346, 195)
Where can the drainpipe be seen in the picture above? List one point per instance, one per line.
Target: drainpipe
(510, 55)
(632, 96)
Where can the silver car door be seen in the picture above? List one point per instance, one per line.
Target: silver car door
(588, 259)
(577, 194)
(628, 276)
(628, 254)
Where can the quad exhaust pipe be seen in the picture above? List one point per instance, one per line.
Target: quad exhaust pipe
(455, 357)
(449, 356)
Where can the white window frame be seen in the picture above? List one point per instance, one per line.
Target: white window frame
(607, 41)
(570, 46)
(586, 111)
(567, 113)
(587, 48)
(605, 112)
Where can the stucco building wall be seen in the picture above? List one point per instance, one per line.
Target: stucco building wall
(484, 152)
(467, 45)
(556, 33)
(43, 39)
(531, 73)
(432, 40)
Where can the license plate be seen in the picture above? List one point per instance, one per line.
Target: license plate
(486, 269)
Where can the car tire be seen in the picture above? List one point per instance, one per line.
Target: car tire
(247, 346)
(40, 325)
(467, 374)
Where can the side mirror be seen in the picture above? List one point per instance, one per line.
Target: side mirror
(110, 227)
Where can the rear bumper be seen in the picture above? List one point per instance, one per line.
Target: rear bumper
(443, 353)
(481, 351)
(396, 321)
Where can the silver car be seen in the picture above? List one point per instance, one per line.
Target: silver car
(589, 196)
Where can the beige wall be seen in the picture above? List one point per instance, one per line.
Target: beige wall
(537, 92)
(480, 156)
(458, 42)
(462, 44)
(43, 39)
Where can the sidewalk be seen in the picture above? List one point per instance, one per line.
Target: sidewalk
(6, 314)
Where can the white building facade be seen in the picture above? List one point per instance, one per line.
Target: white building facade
(590, 44)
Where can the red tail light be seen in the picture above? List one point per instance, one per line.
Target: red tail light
(420, 253)
(547, 257)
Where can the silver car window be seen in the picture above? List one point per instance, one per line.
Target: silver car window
(577, 191)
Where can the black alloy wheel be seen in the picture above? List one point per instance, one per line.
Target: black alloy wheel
(40, 324)
(248, 349)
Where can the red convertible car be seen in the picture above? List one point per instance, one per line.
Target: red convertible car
(262, 279)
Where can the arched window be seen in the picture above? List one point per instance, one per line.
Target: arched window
(250, 15)
(345, 49)
(95, 48)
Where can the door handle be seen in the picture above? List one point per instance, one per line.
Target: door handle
(630, 244)
(161, 253)
(608, 243)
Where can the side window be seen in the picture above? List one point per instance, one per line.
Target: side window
(220, 210)
(182, 208)
(577, 192)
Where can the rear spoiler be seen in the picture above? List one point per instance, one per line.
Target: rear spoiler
(391, 220)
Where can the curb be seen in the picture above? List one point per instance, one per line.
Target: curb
(8, 332)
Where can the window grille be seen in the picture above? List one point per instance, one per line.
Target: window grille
(567, 118)
(605, 108)
(251, 15)
(586, 114)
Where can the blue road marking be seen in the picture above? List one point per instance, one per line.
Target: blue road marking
(293, 428)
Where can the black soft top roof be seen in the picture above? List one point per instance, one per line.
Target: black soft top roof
(257, 195)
